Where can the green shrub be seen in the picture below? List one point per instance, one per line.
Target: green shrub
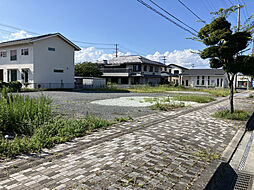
(54, 131)
(14, 86)
(237, 115)
(21, 114)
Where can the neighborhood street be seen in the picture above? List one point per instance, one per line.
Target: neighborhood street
(167, 150)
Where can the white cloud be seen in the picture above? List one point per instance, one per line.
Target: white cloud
(183, 58)
(93, 55)
(17, 35)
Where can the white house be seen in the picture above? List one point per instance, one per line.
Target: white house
(204, 78)
(171, 72)
(45, 61)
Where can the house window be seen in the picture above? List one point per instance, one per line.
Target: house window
(169, 70)
(136, 67)
(221, 82)
(176, 72)
(218, 82)
(208, 80)
(145, 68)
(203, 80)
(24, 51)
(156, 69)
(12, 75)
(151, 69)
(3, 53)
(51, 49)
(197, 80)
(13, 55)
(58, 70)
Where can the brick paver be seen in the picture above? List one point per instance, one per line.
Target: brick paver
(161, 151)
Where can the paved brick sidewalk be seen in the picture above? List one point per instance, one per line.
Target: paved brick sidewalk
(160, 151)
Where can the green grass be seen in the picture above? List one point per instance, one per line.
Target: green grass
(166, 106)
(50, 133)
(31, 125)
(194, 98)
(153, 89)
(218, 92)
(251, 96)
(237, 115)
(123, 119)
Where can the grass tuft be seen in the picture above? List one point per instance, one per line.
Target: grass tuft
(237, 115)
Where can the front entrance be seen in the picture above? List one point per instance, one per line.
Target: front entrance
(186, 83)
(1, 75)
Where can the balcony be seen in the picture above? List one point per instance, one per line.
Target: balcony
(117, 72)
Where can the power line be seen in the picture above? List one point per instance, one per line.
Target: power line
(92, 43)
(13, 27)
(231, 2)
(16, 28)
(191, 11)
(131, 50)
(164, 16)
(172, 16)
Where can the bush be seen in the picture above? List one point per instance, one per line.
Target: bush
(237, 115)
(54, 131)
(21, 114)
(14, 86)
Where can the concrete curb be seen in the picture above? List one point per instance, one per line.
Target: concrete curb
(227, 153)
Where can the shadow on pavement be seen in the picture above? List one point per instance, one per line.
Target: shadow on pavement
(223, 179)
(250, 123)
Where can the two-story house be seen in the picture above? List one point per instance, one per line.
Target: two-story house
(204, 78)
(132, 69)
(171, 73)
(45, 61)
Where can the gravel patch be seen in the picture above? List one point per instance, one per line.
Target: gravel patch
(78, 104)
(136, 101)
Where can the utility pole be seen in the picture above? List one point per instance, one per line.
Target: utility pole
(116, 49)
(238, 19)
(238, 28)
(164, 59)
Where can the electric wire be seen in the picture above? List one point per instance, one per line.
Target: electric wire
(164, 16)
(172, 16)
(191, 11)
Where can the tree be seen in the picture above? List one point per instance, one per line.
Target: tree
(223, 46)
(87, 69)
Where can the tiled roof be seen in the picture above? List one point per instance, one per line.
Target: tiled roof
(132, 59)
(203, 72)
(36, 38)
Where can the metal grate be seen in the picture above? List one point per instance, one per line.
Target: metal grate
(243, 181)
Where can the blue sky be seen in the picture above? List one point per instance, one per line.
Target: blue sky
(125, 22)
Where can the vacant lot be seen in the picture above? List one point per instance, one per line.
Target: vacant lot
(77, 104)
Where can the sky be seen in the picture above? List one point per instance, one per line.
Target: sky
(136, 29)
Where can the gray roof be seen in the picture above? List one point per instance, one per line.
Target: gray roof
(183, 68)
(37, 38)
(203, 72)
(131, 59)
(167, 74)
